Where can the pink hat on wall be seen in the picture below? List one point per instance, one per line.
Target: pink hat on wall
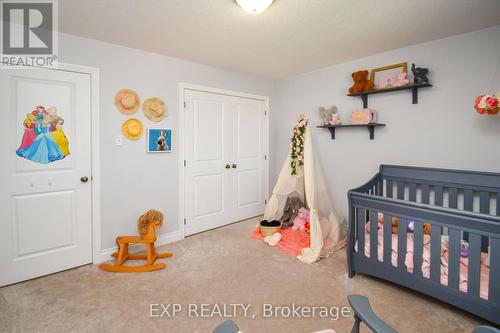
(127, 101)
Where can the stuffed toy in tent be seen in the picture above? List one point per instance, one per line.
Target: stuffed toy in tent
(301, 177)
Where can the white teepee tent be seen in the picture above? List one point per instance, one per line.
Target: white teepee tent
(327, 230)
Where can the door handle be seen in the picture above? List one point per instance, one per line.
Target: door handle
(234, 166)
(227, 166)
(84, 179)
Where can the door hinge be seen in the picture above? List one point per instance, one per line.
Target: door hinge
(265, 202)
(185, 163)
(265, 112)
(184, 103)
(265, 157)
(185, 221)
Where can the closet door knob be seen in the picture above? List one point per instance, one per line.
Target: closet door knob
(84, 179)
(227, 166)
(234, 166)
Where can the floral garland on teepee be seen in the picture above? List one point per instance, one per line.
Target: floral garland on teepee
(297, 153)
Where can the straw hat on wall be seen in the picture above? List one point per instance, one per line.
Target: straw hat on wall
(154, 109)
(133, 129)
(127, 101)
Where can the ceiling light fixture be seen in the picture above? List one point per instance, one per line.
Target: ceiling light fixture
(254, 6)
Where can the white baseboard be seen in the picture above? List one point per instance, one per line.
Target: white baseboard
(164, 239)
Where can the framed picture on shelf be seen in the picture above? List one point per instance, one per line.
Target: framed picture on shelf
(159, 140)
(389, 76)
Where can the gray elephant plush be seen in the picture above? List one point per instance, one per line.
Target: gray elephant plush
(326, 114)
(291, 210)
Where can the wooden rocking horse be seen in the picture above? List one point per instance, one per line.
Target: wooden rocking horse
(147, 225)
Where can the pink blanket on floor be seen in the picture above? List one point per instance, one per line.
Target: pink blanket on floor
(426, 264)
(292, 241)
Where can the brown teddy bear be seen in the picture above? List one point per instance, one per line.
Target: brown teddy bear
(361, 82)
(394, 221)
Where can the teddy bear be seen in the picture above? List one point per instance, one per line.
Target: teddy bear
(410, 226)
(427, 228)
(361, 82)
(290, 211)
(299, 223)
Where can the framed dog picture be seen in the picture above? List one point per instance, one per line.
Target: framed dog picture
(159, 140)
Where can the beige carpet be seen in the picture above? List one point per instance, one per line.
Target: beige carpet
(220, 266)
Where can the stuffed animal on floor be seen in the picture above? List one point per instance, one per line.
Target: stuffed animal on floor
(361, 82)
(273, 240)
(291, 210)
(299, 223)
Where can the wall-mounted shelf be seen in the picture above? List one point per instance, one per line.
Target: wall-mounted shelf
(413, 87)
(371, 128)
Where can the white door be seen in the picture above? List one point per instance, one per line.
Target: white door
(249, 155)
(225, 152)
(45, 199)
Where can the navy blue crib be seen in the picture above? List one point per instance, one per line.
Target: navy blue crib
(462, 205)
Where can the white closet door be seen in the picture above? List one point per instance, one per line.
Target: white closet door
(207, 150)
(45, 201)
(225, 172)
(249, 147)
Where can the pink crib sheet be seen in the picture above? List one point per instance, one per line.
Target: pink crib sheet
(426, 264)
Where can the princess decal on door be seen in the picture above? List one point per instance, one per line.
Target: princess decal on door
(44, 140)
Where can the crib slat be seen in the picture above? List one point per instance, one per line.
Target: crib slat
(373, 235)
(484, 208)
(361, 231)
(468, 206)
(388, 188)
(401, 190)
(438, 195)
(436, 253)
(498, 204)
(418, 248)
(494, 286)
(468, 200)
(474, 270)
(413, 192)
(401, 243)
(453, 258)
(425, 193)
(484, 202)
(387, 239)
(453, 197)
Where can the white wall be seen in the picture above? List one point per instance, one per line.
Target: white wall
(443, 130)
(132, 180)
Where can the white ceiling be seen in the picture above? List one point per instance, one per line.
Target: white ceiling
(291, 37)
